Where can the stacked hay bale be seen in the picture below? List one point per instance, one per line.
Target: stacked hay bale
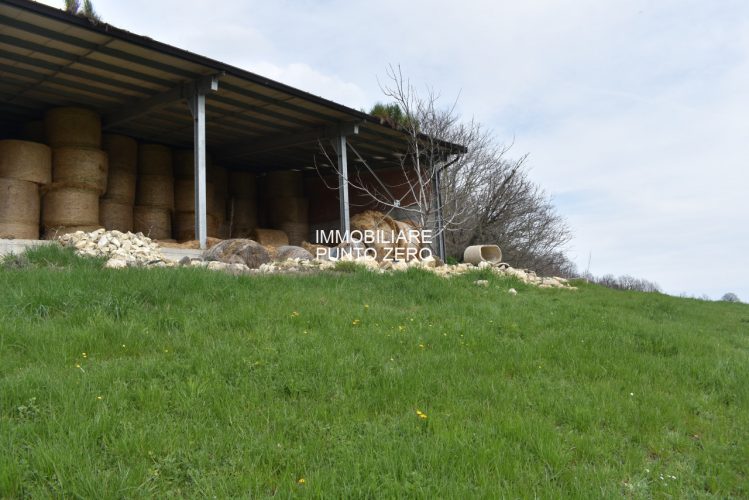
(24, 166)
(116, 206)
(287, 208)
(219, 177)
(184, 199)
(154, 192)
(384, 228)
(79, 171)
(241, 210)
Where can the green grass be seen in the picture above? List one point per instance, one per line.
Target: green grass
(198, 384)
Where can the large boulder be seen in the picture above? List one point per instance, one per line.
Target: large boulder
(287, 252)
(238, 251)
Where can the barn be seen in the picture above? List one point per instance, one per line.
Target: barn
(193, 148)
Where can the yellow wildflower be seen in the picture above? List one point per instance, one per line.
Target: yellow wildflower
(301, 480)
(295, 314)
(421, 415)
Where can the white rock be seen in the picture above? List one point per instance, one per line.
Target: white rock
(512, 291)
(116, 264)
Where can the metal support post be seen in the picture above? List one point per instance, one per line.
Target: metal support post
(196, 103)
(343, 196)
(440, 223)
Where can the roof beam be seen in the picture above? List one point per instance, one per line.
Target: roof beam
(272, 143)
(160, 101)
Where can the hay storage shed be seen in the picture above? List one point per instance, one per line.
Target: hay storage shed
(159, 94)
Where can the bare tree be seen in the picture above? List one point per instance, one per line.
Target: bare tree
(434, 141)
(483, 196)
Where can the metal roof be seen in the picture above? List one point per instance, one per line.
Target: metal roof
(51, 58)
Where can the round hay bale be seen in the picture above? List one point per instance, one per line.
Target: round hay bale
(121, 187)
(184, 226)
(287, 252)
(19, 230)
(33, 131)
(241, 214)
(155, 191)
(83, 167)
(282, 210)
(154, 222)
(408, 241)
(64, 205)
(76, 127)
(385, 231)
(184, 195)
(52, 233)
(297, 232)
(217, 208)
(242, 184)
(184, 163)
(219, 176)
(155, 159)
(244, 251)
(283, 184)
(270, 237)
(25, 161)
(19, 209)
(122, 152)
(114, 215)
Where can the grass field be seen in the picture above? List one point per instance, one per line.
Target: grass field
(162, 382)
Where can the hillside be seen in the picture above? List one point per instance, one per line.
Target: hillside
(185, 382)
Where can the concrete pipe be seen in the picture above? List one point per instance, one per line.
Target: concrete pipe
(482, 253)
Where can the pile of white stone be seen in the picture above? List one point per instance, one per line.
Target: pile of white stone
(121, 249)
(129, 250)
(446, 271)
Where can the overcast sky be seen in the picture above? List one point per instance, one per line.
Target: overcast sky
(635, 113)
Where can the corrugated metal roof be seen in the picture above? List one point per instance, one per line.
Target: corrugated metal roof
(51, 58)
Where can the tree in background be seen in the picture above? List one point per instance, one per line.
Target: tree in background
(730, 297)
(431, 131)
(485, 197)
(82, 10)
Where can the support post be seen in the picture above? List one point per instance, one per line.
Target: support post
(196, 103)
(340, 147)
(201, 217)
(440, 223)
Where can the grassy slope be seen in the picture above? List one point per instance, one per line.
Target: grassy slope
(213, 385)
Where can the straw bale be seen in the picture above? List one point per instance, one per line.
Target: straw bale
(82, 167)
(297, 232)
(155, 159)
(288, 209)
(154, 222)
(270, 237)
(122, 152)
(184, 195)
(26, 161)
(283, 184)
(242, 184)
(155, 191)
(74, 127)
(19, 209)
(114, 215)
(64, 205)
